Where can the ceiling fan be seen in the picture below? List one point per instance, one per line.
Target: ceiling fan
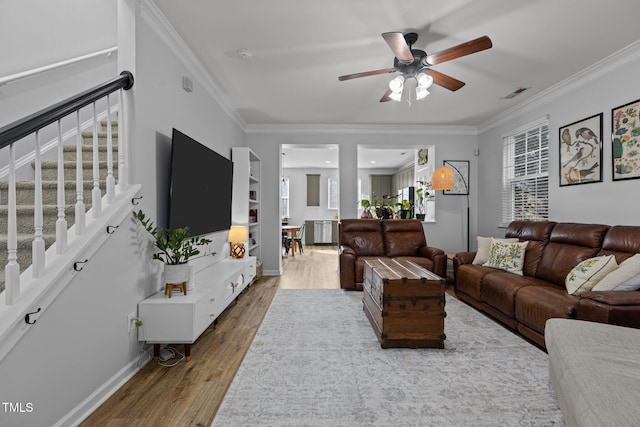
(416, 63)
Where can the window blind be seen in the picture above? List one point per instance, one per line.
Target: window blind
(525, 176)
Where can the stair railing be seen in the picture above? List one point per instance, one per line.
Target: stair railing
(32, 124)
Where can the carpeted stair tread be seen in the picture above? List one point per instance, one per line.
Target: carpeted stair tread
(69, 153)
(25, 192)
(87, 138)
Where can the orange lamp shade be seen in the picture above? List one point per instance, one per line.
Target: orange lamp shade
(442, 179)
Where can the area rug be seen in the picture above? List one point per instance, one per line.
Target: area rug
(315, 361)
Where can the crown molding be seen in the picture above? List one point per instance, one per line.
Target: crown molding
(596, 71)
(361, 129)
(153, 16)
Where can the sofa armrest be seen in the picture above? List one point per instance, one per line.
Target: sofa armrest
(461, 258)
(439, 258)
(614, 297)
(347, 264)
(614, 307)
(343, 249)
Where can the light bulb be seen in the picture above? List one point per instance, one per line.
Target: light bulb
(424, 80)
(396, 84)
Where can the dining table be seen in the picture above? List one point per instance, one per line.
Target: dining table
(293, 230)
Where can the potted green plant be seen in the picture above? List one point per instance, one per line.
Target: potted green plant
(366, 205)
(405, 209)
(421, 195)
(175, 248)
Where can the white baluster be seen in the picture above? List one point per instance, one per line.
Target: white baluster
(111, 181)
(61, 222)
(12, 269)
(80, 216)
(123, 171)
(96, 196)
(37, 247)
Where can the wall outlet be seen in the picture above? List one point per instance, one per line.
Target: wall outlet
(131, 321)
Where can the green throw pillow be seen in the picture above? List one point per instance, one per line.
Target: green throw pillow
(507, 256)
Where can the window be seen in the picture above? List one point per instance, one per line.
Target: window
(284, 197)
(332, 191)
(525, 175)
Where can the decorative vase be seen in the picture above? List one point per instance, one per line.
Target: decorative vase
(420, 216)
(366, 214)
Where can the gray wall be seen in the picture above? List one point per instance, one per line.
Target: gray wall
(597, 90)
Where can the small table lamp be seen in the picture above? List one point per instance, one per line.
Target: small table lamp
(237, 236)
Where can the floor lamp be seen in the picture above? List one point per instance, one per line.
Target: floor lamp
(444, 179)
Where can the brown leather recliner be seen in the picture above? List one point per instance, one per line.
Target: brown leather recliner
(362, 239)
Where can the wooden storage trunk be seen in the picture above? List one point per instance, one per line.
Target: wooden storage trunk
(404, 303)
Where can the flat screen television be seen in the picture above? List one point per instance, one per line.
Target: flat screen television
(201, 184)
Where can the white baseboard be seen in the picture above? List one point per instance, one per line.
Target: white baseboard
(98, 397)
(272, 273)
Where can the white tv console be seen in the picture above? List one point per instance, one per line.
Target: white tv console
(183, 318)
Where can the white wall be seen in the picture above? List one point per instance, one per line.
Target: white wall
(594, 91)
(42, 32)
(38, 33)
(449, 230)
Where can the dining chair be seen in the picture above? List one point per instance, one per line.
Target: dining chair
(298, 238)
(286, 242)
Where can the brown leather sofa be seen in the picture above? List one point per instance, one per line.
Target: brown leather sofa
(526, 302)
(362, 239)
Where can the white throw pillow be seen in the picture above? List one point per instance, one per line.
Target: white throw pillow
(584, 276)
(508, 256)
(484, 247)
(625, 278)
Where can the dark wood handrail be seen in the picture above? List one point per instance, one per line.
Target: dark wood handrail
(29, 124)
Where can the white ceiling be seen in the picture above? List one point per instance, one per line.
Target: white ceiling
(299, 48)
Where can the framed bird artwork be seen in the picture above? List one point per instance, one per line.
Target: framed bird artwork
(625, 140)
(580, 145)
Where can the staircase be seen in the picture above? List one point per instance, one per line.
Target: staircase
(25, 192)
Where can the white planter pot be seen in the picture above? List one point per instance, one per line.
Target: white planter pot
(177, 273)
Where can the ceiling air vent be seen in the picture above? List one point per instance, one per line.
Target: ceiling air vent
(516, 92)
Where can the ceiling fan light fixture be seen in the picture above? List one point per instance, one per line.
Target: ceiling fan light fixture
(397, 84)
(396, 96)
(424, 80)
(421, 92)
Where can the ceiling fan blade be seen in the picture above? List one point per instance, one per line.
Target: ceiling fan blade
(473, 46)
(399, 46)
(367, 73)
(385, 97)
(444, 80)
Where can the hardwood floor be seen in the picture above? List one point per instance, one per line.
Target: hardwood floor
(189, 394)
